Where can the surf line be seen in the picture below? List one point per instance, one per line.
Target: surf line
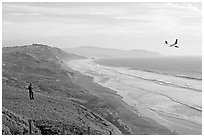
(174, 115)
(151, 91)
(155, 92)
(170, 121)
(152, 80)
(198, 108)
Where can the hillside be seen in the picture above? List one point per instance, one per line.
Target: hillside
(113, 53)
(66, 102)
(52, 111)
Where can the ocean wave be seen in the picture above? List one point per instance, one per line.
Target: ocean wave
(161, 82)
(157, 81)
(170, 74)
(177, 116)
(192, 106)
(189, 77)
(175, 85)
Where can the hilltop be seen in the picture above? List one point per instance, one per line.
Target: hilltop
(89, 51)
(52, 111)
(66, 102)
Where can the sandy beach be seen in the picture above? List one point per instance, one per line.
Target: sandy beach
(173, 104)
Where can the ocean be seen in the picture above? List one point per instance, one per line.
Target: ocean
(187, 67)
(168, 90)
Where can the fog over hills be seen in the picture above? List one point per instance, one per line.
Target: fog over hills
(90, 51)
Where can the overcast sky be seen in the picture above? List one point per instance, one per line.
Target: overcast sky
(110, 25)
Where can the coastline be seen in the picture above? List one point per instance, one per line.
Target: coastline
(129, 98)
(111, 106)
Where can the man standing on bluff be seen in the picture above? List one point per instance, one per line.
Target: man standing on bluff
(30, 91)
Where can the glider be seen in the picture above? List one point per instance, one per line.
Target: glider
(172, 45)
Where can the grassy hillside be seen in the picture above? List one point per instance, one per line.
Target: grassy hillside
(66, 102)
(52, 111)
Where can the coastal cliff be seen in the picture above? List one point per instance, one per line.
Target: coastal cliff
(66, 102)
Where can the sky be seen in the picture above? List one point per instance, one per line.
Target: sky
(126, 26)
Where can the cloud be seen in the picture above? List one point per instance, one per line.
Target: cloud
(191, 6)
(126, 20)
